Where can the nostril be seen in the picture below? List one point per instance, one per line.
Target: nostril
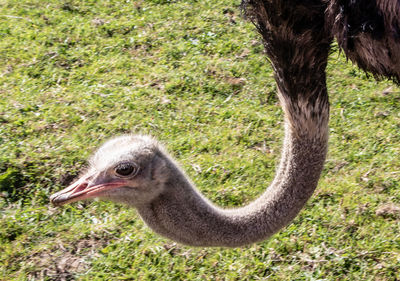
(81, 187)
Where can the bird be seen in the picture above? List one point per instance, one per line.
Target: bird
(138, 171)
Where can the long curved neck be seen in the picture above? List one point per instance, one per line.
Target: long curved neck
(298, 47)
(184, 215)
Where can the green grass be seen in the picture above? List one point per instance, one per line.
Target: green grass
(194, 75)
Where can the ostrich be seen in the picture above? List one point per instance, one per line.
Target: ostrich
(138, 171)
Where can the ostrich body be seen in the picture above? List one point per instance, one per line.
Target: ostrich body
(137, 171)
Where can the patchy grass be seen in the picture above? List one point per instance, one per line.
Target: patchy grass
(194, 75)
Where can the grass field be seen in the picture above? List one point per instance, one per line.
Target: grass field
(194, 75)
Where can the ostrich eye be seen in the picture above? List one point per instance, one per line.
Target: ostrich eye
(125, 169)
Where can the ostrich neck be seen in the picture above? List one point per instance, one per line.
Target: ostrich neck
(298, 49)
(184, 215)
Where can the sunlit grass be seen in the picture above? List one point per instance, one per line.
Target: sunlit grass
(194, 75)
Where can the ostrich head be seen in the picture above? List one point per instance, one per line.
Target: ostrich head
(127, 169)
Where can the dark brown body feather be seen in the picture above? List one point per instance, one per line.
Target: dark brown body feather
(368, 31)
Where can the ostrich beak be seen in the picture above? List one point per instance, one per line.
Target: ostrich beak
(83, 189)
